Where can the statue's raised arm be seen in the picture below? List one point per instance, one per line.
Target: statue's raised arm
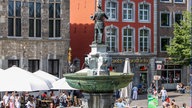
(99, 25)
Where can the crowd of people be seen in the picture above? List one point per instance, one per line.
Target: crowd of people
(44, 100)
(167, 102)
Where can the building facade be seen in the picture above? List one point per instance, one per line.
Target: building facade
(34, 34)
(169, 12)
(136, 29)
(129, 33)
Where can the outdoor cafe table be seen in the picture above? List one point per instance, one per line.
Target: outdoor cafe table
(45, 103)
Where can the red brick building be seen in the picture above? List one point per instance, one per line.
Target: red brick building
(130, 32)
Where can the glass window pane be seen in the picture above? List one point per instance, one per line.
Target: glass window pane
(33, 65)
(170, 76)
(50, 28)
(125, 32)
(10, 27)
(38, 10)
(31, 28)
(18, 8)
(18, 27)
(164, 43)
(13, 62)
(38, 28)
(31, 9)
(11, 8)
(57, 29)
(51, 10)
(177, 78)
(164, 19)
(164, 77)
(57, 10)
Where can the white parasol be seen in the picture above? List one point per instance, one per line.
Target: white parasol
(48, 78)
(17, 79)
(62, 84)
(125, 92)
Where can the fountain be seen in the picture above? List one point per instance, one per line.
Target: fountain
(98, 84)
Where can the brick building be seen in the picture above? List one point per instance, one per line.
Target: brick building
(169, 12)
(34, 34)
(130, 32)
(136, 29)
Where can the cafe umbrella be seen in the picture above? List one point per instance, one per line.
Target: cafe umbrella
(126, 91)
(17, 79)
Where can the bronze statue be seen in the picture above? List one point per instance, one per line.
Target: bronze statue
(99, 25)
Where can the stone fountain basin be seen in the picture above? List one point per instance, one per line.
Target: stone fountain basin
(98, 84)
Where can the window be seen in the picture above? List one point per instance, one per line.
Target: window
(165, 1)
(53, 67)
(33, 65)
(128, 13)
(164, 43)
(179, 1)
(54, 18)
(171, 76)
(14, 18)
(144, 12)
(178, 17)
(111, 39)
(165, 19)
(128, 34)
(13, 62)
(34, 19)
(144, 40)
(111, 10)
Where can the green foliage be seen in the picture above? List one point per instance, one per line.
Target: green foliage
(180, 46)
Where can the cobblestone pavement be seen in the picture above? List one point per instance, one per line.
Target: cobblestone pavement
(179, 98)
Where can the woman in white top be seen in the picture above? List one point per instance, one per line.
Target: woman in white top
(17, 101)
(6, 100)
(163, 93)
(31, 103)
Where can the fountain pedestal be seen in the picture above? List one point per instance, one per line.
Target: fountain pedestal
(99, 100)
(97, 60)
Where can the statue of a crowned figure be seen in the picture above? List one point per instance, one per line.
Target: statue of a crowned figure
(98, 17)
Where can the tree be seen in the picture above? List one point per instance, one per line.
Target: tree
(180, 46)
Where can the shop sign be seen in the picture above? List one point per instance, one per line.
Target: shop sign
(159, 66)
(140, 60)
(156, 77)
(159, 62)
(137, 60)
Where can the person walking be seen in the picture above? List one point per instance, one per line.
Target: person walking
(135, 92)
(163, 94)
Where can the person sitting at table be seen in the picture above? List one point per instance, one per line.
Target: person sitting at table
(44, 96)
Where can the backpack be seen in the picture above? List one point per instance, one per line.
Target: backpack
(62, 99)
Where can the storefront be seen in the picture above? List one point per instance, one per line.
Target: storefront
(139, 66)
(170, 76)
